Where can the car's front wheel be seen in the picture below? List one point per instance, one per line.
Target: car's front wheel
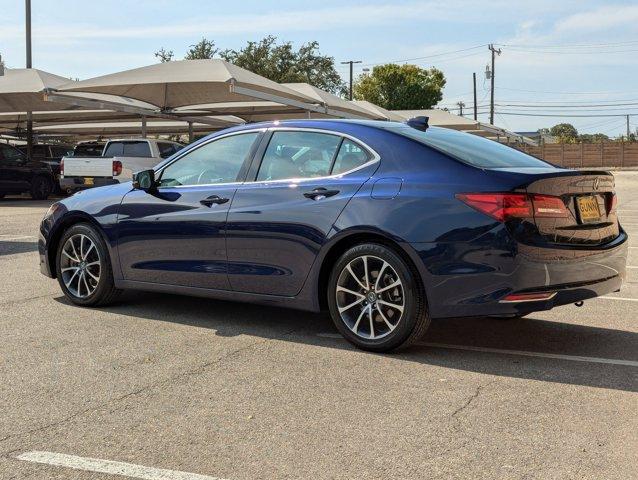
(83, 267)
(376, 300)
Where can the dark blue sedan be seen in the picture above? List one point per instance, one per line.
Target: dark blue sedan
(386, 225)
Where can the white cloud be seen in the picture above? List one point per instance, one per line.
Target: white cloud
(603, 18)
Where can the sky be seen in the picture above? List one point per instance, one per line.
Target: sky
(556, 54)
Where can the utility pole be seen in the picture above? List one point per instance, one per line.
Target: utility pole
(27, 5)
(475, 105)
(494, 53)
(351, 63)
(461, 105)
(628, 132)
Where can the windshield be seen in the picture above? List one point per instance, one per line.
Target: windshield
(469, 148)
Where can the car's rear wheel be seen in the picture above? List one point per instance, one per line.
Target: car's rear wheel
(376, 299)
(41, 188)
(83, 267)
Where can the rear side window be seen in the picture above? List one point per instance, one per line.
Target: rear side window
(58, 151)
(468, 148)
(9, 153)
(298, 155)
(128, 149)
(350, 156)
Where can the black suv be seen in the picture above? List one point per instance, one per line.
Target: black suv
(19, 174)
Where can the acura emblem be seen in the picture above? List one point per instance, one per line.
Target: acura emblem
(596, 182)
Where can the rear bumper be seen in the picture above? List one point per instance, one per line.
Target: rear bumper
(78, 183)
(471, 279)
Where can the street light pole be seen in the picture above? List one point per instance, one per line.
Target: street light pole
(27, 5)
(351, 63)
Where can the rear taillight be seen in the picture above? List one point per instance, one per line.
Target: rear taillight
(62, 167)
(548, 207)
(117, 168)
(507, 206)
(611, 202)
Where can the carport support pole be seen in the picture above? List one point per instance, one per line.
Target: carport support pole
(27, 8)
(191, 137)
(143, 126)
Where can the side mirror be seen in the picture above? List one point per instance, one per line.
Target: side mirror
(144, 180)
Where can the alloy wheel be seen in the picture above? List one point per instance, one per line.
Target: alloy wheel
(370, 297)
(80, 265)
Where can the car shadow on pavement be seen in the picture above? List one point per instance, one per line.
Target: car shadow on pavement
(230, 319)
(10, 247)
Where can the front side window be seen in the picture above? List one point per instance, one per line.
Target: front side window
(298, 155)
(219, 161)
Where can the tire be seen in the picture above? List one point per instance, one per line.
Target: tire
(80, 286)
(41, 188)
(2, 195)
(352, 306)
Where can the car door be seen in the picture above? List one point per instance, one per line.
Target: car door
(278, 222)
(14, 172)
(176, 234)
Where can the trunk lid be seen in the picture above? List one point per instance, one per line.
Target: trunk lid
(589, 197)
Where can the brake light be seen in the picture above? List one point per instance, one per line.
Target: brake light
(117, 168)
(62, 167)
(611, 202)
(506, 206)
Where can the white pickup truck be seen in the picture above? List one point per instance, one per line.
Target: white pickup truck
(119, 160)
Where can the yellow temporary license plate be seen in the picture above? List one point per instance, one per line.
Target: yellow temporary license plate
(88, 181)
(588, 209)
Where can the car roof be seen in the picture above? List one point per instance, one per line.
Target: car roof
(319, 123)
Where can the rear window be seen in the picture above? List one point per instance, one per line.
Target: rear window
(128, 149)
(88, 150)
(468, 148)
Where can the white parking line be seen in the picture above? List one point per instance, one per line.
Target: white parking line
(9, 238)
(625, 299)
(110, 467)
(572, 358)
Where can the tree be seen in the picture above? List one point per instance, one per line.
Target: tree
(401, 87)
(564, 133)
(164, 55)
(283, 64)
(592, 138)
(204, 49)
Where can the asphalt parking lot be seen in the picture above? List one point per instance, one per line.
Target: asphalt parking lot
(170, 384)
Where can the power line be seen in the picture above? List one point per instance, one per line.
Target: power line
(563, 93)
(525, 114)
(588, 45)
(428, 56)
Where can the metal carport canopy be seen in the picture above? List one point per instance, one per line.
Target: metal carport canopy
(172, 85)
(21, 90)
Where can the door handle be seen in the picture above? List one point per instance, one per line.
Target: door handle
(213, 200)
(320, 193)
